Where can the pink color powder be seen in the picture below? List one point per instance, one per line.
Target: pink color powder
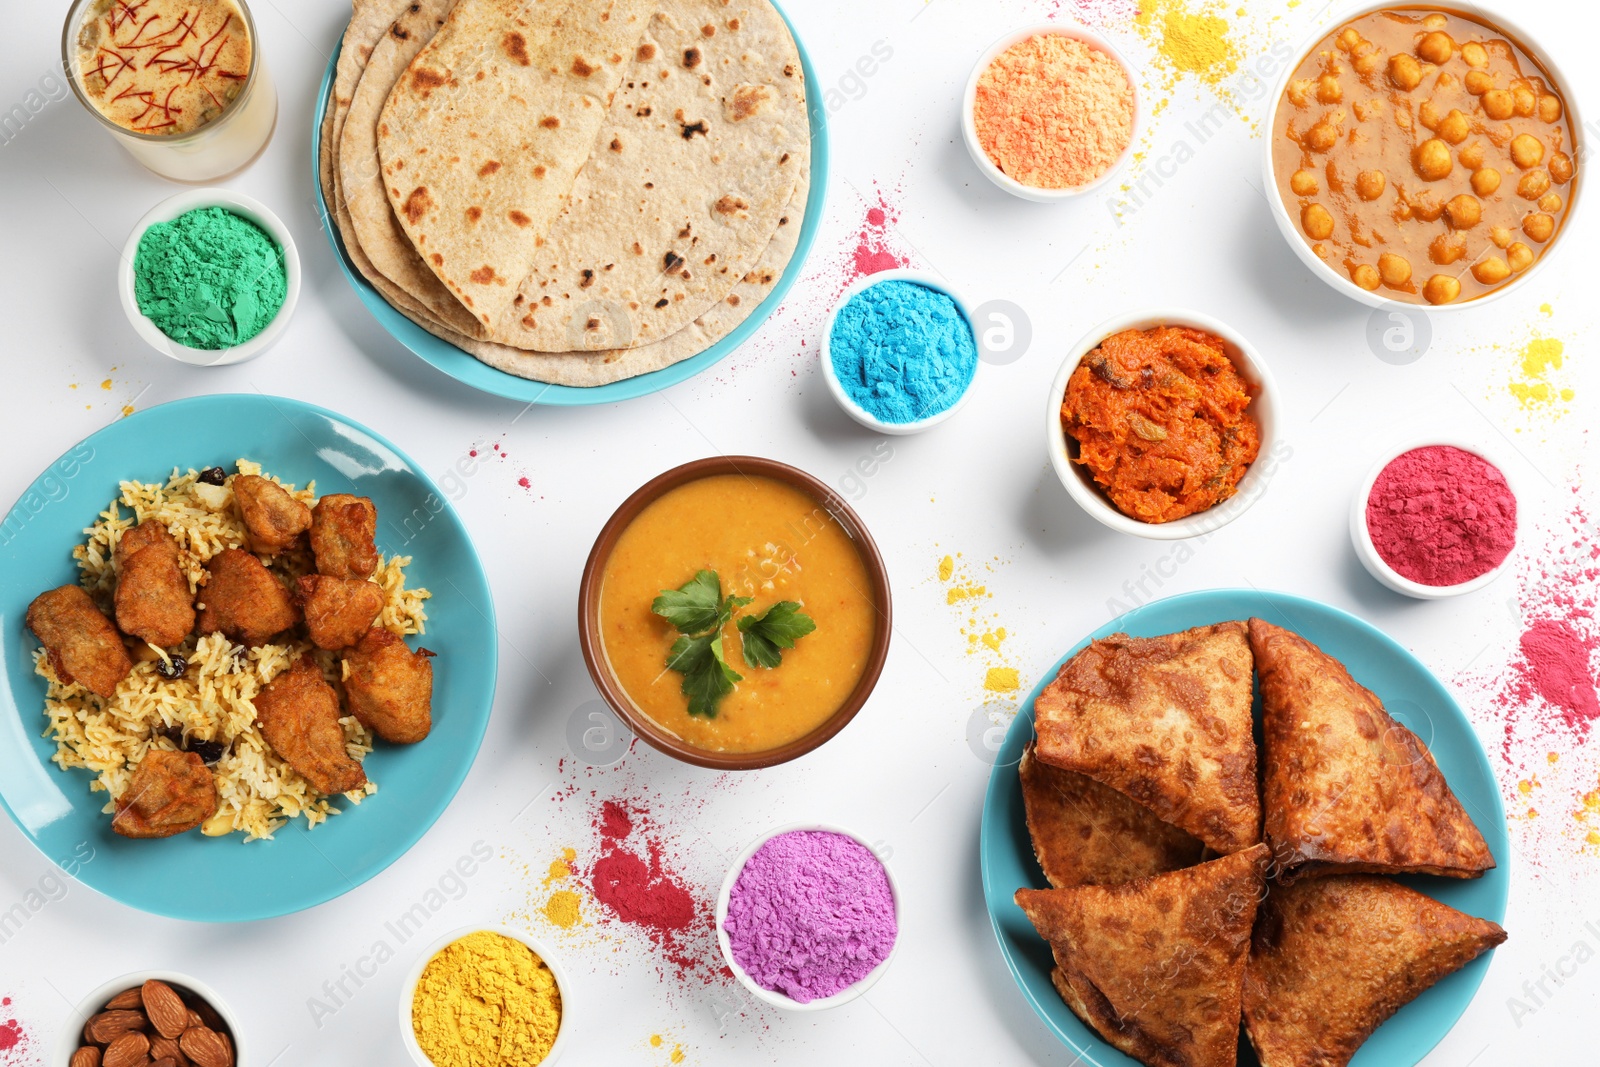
(811, 914)
(1557, 666)
(1442, 516)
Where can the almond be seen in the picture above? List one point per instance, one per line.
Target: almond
(208, 1016)
(87, 1056)
(206, 1047)
(132, 1049)
(165, 1061)
(165, 1048)
(167, 1012)
(128, 998)
(110, 1025)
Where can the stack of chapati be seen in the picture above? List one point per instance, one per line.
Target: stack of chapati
(573, 191)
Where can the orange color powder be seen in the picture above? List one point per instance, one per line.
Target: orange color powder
(1053, 112)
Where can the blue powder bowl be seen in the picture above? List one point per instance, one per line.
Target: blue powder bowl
(899, 353)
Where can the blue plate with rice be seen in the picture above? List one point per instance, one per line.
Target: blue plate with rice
(191, 876)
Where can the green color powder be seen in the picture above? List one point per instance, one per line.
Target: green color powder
(209, 279)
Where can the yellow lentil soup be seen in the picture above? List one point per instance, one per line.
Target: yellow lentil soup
(766, 540)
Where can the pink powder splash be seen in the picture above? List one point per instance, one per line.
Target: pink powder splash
(1093, 12)
(14, 1038)
(874, 248)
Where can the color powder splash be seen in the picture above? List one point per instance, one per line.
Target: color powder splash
(14, 1038)
(674, 1055)
(874, 245)
(563, 907)
(1534, 381)
(985, 636)
(1542, 689)
(1194, 42)
(1093, 12)
(632, 883)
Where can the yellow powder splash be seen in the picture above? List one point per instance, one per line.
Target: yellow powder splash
(675, 1056)
(1531, 375)
(1588, 819)
(985, 636)
(1194, 42)
(563, 908)
(486, 1001)
(1002, 680)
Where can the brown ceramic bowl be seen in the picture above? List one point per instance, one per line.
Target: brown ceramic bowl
(589, 611)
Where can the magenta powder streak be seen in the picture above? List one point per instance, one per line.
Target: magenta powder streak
(811, 914)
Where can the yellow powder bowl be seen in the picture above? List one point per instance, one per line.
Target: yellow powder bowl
(418, 986)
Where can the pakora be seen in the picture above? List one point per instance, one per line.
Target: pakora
(390, 688)
(298, 713)
(338, 611)
(244, 600)
(83, 645)
(170, 793)
(153, 599)
(344, 529)
(273, 519)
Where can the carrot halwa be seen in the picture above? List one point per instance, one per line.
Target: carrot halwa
(1161, 422)
(1054, 112)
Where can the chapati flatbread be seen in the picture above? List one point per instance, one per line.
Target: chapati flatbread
(483, 137)
(696, 160)
(588, 369)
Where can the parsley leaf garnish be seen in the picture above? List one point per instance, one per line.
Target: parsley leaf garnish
(699, 612)
(766, 635)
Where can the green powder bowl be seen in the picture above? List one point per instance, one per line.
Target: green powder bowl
(210, 277)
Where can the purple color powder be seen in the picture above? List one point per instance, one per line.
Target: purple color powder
(811, 914)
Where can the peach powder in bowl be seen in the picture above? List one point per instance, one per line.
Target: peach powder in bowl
(1053, 111)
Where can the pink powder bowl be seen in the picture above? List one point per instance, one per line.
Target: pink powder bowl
(808, 917)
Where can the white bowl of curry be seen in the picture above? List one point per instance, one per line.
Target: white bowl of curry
(1170, 432)
(1422, 156)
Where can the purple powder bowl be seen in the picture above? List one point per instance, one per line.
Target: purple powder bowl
(808, 917)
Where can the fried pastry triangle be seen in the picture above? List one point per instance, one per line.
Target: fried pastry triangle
(1334, 957)
(1346, 787)
(1156, 966)
(1085, 833)
(1165, 720)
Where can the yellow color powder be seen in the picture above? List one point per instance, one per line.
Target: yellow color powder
(1002, 680)
(562, 909)
(486, 1000)
(1530, 382)
(965, 592)
(947, 567)
(1192, 42)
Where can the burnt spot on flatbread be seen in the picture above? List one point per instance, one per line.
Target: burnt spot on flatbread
(647, 52)
(480, 75)
(691, 57)
(424, 81)
(649, 185)
(662, 302)
(616, 144)
(638, 249)
(788, 70)
(689, 129)
(747, 102)
(685, 232)
(518, 300)
(581, 67)
(733, 300)
(783, 159)
(483, 275)
(733, 24)
(547, 302)
(550, 122)
(671, 262)
(520, 219)
(438, 260)
(732, 207)
(516, 46)
(708, 30)
(539, 171)
(474, 213)
(418, 204)
(759, 277)
(784, 221)
(643, 113)
(488, 168)
(712, 258)
(588, 279)
(593, 323)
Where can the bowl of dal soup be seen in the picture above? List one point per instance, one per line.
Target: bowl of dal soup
(735, 613)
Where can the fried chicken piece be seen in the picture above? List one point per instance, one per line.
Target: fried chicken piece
(84, 647)
(273, 518)
(1347, 787)
(1156, 966)
(1334, 957)
(1165, 720)
(298, 713)
(170, 793)
(1085, 833)
(153, 599)
(244, 600)
(390, 688)
(338, 611)
(343, 532)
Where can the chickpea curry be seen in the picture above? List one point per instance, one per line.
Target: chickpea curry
(1424, 154)
(1161, 420)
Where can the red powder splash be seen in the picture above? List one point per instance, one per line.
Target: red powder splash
(1094, 12)
(1556, 664)
(873, 240)
(640, 891)
(14, 1039)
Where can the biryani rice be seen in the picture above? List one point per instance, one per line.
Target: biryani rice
(214, 699)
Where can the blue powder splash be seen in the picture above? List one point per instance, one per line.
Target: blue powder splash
(904, 352)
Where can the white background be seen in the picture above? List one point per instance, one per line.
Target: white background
(903, 772)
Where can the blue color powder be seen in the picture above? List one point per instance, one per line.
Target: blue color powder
(904, 352)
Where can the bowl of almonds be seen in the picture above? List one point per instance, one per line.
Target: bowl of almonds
(150, 1019)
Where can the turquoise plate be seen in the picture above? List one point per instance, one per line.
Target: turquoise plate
(196, 877)
(464, 368)
(1409, 692)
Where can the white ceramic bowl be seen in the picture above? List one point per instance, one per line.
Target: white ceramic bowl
(1367, 552)
(244, 207)
(71, 1038)
(969, 126)
(778, 1000)
(1288, 226)
(408, 989)
(1080, 484)
(855, 410)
